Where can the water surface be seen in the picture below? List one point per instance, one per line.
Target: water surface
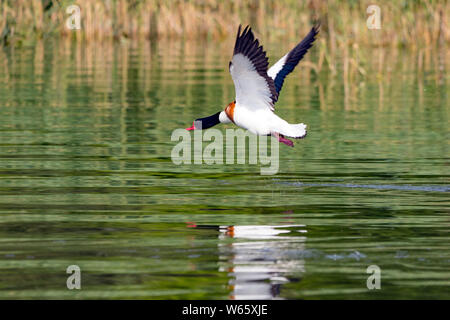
(86, 179)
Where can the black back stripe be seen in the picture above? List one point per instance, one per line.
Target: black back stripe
(247, 45)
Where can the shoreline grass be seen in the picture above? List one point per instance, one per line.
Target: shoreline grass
(342, 46)
(413, 23)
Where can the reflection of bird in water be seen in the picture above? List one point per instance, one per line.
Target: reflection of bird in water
(260, 259)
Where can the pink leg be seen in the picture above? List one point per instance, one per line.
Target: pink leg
(282, 139)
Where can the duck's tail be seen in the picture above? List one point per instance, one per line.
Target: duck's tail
(296, 131)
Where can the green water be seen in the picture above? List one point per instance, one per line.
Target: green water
(86, 178)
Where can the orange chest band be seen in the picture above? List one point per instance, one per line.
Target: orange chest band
(229, 110)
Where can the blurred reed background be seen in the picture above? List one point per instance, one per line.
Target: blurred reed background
(409, 23)
(345, 44)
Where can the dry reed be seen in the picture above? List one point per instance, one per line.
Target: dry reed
(416, 25)
(408, 23)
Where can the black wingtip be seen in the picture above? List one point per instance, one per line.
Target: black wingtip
(249, 46)
(243, 39)
(238, 36)
(316, 26)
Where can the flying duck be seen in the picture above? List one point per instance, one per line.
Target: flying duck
(257, 89)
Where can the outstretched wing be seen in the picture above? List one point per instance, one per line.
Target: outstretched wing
(248, 68)
(286, 64)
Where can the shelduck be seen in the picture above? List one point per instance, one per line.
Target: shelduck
(257, 89)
